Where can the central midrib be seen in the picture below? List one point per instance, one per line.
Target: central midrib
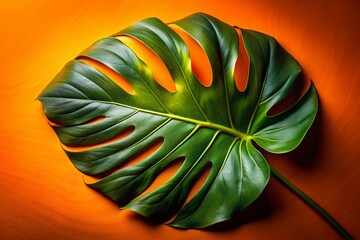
(212, 125)
(208, 124)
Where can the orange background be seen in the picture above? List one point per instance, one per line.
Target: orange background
(42, 196)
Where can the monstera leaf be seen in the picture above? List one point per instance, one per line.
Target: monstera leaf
(212, 125)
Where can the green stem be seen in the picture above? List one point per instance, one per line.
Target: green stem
(312, 204)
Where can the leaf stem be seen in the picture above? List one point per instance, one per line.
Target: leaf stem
(340, 229)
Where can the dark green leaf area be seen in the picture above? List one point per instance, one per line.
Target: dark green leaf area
(104, 129)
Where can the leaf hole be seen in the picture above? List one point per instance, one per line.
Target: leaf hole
(196, 185)
(143, 154)
(166, 174)
(199, 182)
(242, 65)
(117, 137)
(109, 72)
(200, 63)
(157, 67)
(140, 156)
(95, 120)
(289, 100)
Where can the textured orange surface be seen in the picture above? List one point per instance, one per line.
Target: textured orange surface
(42, 196)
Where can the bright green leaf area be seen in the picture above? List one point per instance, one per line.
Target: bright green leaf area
(204, 126)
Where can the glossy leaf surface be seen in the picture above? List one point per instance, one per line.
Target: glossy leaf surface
(199, 125)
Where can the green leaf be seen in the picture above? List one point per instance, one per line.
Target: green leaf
(202, 126)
